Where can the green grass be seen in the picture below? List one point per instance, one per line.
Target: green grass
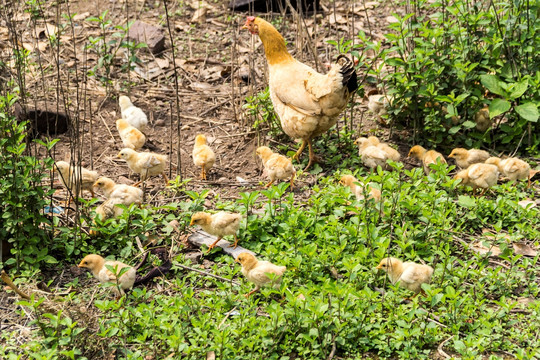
(330, 297)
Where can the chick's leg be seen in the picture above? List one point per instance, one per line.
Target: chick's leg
(203, 173)
(165, 178)
(235, 242)
(252, 291)
(299, 152)
(213, 245)
(269, 184)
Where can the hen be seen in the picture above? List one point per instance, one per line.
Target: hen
(145, 163)
(465, 158)
(132, 137)
(410, 275)
(132, 114)
(277, 167)
(98, 266)
(203, 156)
(220, 225)
(306, 102)
(257, 271)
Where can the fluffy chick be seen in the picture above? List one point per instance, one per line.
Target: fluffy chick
(97, 265)
(371, 155)
(482, 120)
(390, 152)
(132, 114)
(257, 271)
(220, 224)
(426, 156)
(479, 176)
(107, 210)
(203, 156)
(145, 163)
(125, 193)
(132, 137)
(278, 167)
(410, 275)
(512, 168)
(358, 190)
(76, 179)
(378, 103)
(465, 158)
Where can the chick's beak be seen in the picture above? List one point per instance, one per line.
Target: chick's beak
(118, 156)
(236, 260)
(378, 267)
(80, 265)
(192, 222)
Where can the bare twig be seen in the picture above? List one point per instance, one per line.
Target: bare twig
(14, 287)
(208, 274)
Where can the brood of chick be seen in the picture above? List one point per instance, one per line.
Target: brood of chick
(482, 120)
(307, 103)
(76, 179)
(130, 135)
(98, 266)
(465, 158)
(145, 163)
(479, 176)
(371, 154)
(220, 224)
(127, 194)
(410, 275)
(257, 271)
(359, 190)
(203, 156)
(278, 167)
(132, 114)
(390, 152)
(426, 156)
(512, 168)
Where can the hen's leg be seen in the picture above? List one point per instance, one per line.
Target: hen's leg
(297, 155)
(213, 245)
(311, 155)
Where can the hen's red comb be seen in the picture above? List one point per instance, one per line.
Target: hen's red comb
(250, 18)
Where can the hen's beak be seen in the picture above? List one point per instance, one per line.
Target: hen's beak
(244, 27)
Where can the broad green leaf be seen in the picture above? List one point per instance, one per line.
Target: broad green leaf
(466, 201)
(528, 111)
(519, 89)
(491, 82)
(454, 129)
(469, 124)
(498, 106)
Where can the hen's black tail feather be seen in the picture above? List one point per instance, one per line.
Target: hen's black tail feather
(349, 75)
(156, 271)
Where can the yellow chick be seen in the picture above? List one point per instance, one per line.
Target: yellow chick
(358, 190)
(410, 275)
(371, 155)
(145, 163)
(391, 153)
(427, 157)
(465, 158)
(482, 120)
(512, 168)
(378, 103)
(125, 193)
(132, 137)
(76, 179)
(132, 114)
(203, 156)
(479, 176)
(220, 224)
(257, 271)
(97, 265)
(278, 167)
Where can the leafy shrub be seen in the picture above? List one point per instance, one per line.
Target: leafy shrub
(450, 59)
(22, 222)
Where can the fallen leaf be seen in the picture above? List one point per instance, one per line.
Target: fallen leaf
(521, 248)
(525, 203)
(82, 16)
(391, 19)
(483, 250)
(162, 63)
(199, 16)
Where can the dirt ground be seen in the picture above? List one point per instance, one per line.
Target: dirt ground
(218, 66)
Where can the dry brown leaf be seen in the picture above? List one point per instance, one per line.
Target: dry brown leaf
(40, 45)
(82, 16)
(483, 250)
(199, 16)
(391, 19)
(521, 248)
(211, 355)
(336, 19)
(525, 203)
(162, 63)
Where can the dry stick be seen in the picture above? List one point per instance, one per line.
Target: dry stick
(178, 157)
(440, 348)
(226, 317)
(212, 108)
(107, 126)
(14, 287)
(170, 139)
(209, 274)
(91, 136)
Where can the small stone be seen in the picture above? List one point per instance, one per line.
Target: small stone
(124, 180)
(159, 123)
(153, 36)
(194, 257)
